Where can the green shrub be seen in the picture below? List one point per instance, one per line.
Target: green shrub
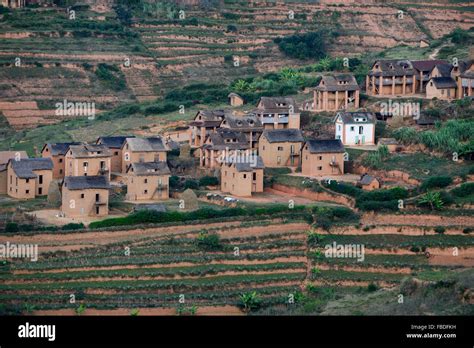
(372, 287)
(436, 182)
(208, 241)
(395, 193)
(12, 227)
(326, 217)
(439, 229)
(208, 181)
(73, 226)
(378, 205)
(463, 190)
(344, 188)
(174, 181)
(147, 217)
(191, 184)
(467, 230)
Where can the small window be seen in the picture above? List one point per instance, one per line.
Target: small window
(85, 164)
(320, 168)
(320, 158)
(145, 181)
(27, 191)
(254, 176)
(116, 153)
(280, 148)
(27, 181)
(145, 191)
(352, 128)
(40, 190)
(60, 160)
(245, 176)
(82, 195)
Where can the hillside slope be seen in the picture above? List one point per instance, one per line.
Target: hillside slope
(46, 56)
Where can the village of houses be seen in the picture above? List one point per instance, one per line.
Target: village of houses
(233, 146)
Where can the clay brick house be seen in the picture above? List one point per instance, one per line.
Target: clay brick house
(143, 150)
(423, 70)
(88, 160)
(242, 179)
(6, 156)
(114, 144)
(281, 147)
(391, 77)
(249, 124)
(322, 157)
(13, 3)
(355, 128)
(465, 79)
(57, 152)
(29, 177)
(148, 181)
(443, 88)
(221, 143)
(368, 182)
(205, 122)
(336, 92)
(278, 113)
(441, 70)
(85, 196)
(178, 134)
(235, 99)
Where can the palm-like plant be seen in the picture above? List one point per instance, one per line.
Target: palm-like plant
(433, 199)
(80, 309)
(241, 86)
(250, 301)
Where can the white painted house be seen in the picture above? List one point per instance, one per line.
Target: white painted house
(355, 128)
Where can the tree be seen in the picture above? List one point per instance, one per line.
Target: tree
(303, 46)
(250, 301)
(433, 199)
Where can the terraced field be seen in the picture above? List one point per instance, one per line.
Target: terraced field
(58, 56)
(151, 269)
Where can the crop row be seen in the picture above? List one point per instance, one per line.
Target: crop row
(356, 276)
(128, 300)
(182, 249)
(396, 241)
(167, 271)
(174, 285)
(168, 259)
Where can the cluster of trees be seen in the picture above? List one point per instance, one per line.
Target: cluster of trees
(111, 76)
(304, 46)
